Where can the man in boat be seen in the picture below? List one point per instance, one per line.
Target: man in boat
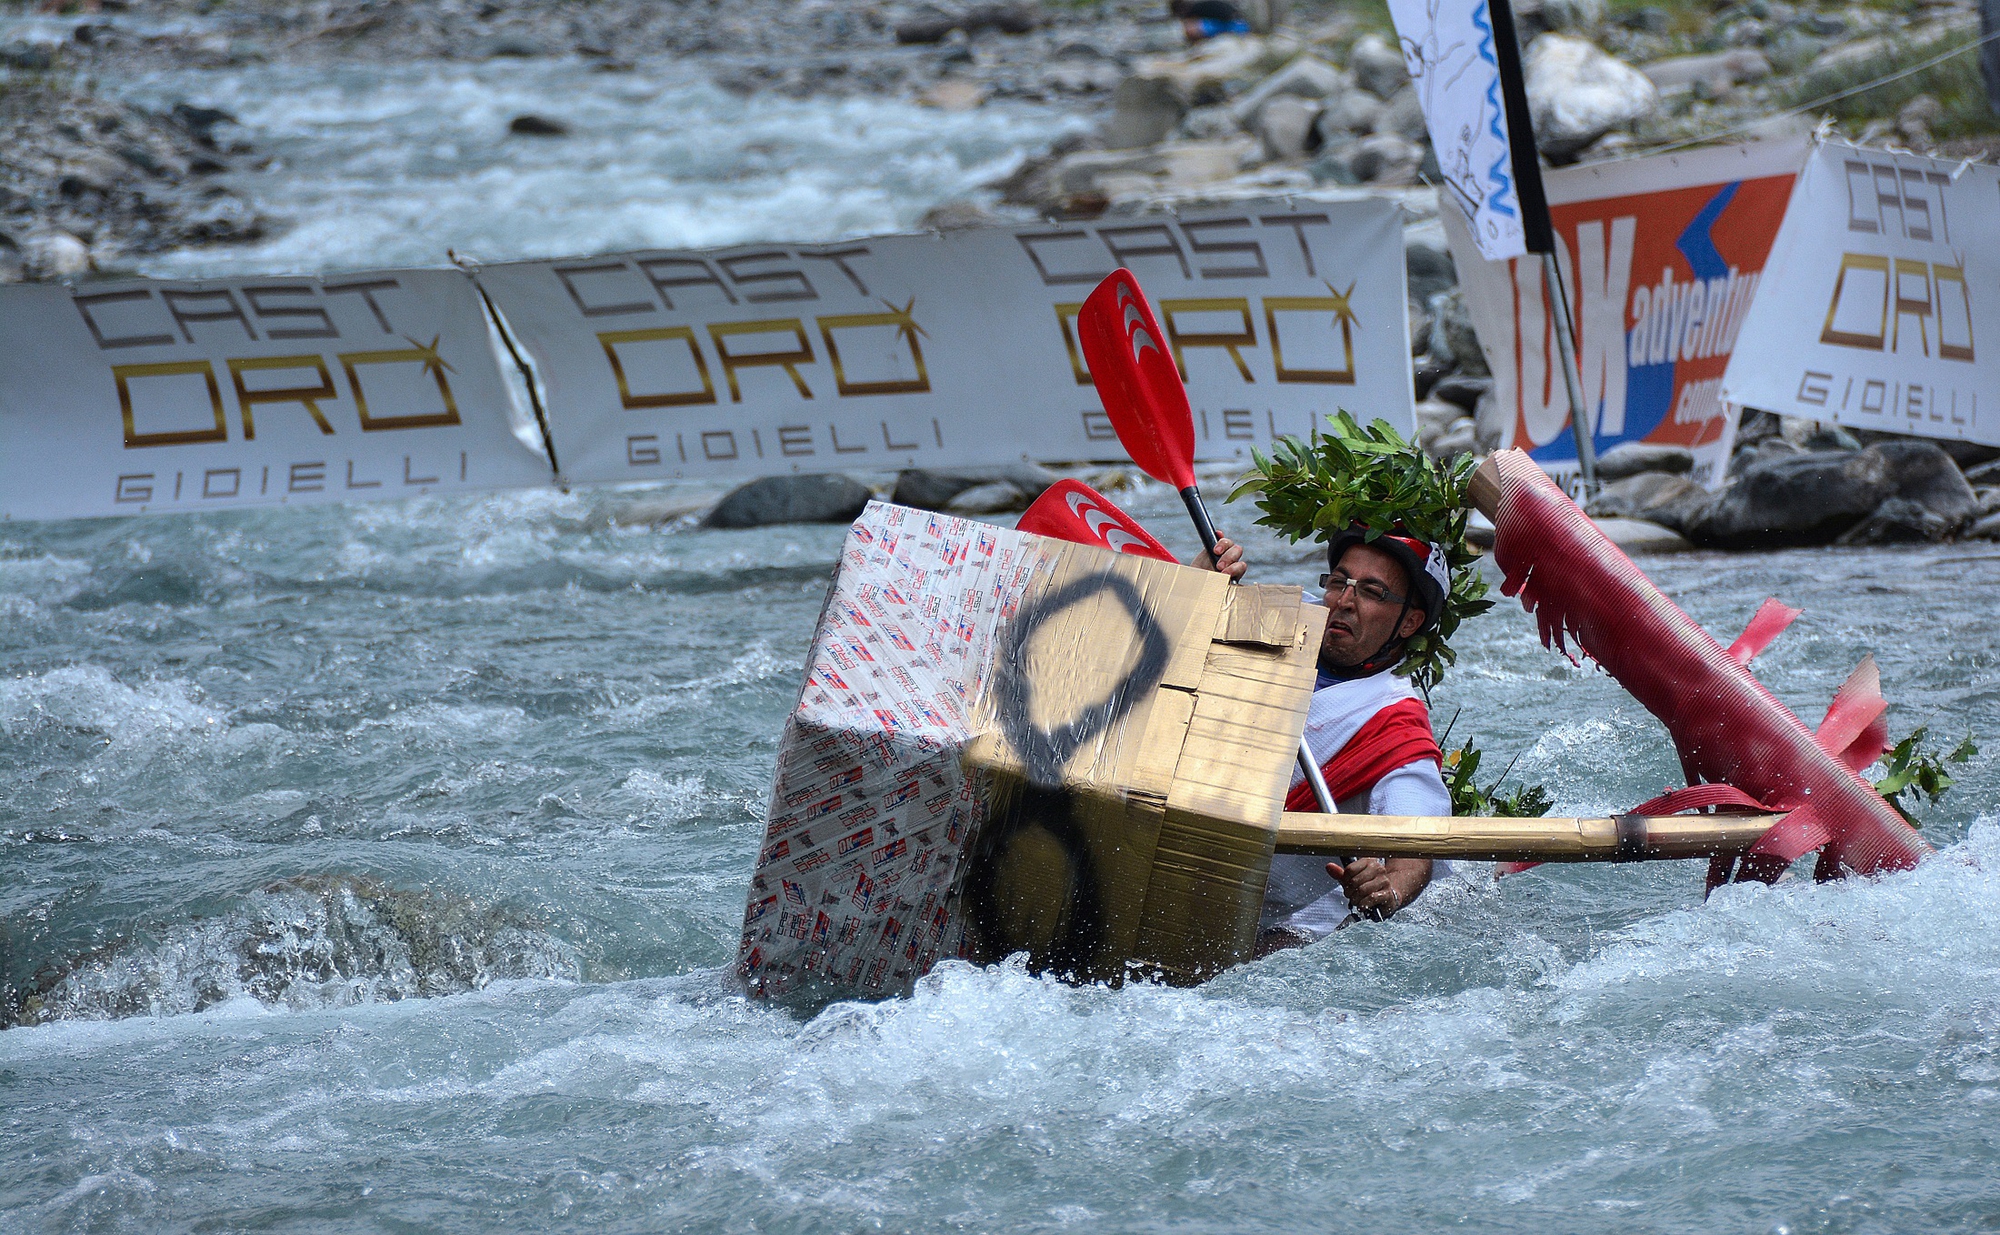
(1369, 730)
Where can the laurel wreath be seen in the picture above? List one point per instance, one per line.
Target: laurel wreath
(1316, 489)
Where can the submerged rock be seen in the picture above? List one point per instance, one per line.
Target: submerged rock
(935, 488)
(821, 498)
(528, 125)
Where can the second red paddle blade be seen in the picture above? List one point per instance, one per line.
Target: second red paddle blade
(1137, 380)
(1073, 511)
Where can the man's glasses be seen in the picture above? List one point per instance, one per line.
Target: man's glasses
(1336, 583)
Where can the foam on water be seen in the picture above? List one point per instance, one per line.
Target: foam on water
(430, 927)
(393, 165)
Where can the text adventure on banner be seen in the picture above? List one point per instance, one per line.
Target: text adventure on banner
(1661, 258)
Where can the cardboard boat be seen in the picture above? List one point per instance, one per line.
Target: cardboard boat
(1010, 743)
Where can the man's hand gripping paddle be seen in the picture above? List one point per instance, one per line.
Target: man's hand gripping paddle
(1148, 405)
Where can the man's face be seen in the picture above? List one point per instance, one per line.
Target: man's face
(1357, 627)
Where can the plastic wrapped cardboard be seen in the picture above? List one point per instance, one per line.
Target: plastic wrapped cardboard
(1007, 743)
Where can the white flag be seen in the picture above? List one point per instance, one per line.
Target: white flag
(1448, 46)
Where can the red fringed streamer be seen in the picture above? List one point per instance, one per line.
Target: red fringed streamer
(1728, 728)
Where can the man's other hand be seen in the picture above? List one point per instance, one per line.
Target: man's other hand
(1366, 882)
(1228, 559)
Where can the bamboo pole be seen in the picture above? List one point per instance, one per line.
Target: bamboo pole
(1619, 838)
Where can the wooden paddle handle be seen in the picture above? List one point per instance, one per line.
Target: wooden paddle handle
(1482, 492)
(1619, 838)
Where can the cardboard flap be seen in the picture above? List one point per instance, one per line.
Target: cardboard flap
(1261, 615)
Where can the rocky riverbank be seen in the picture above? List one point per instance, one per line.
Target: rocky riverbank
(1316, 102)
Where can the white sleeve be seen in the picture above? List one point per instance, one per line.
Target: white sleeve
(1413, 789)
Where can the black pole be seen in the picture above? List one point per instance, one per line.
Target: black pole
(1538, 232)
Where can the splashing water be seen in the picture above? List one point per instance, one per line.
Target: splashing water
(384, 861)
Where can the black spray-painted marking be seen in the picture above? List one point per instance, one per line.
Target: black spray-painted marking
(1043, 803)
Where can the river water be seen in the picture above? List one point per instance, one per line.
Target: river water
(374, 869)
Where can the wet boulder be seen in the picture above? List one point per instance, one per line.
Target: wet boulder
(935, 488)
(1816, 497)
(1797, 499)
(1577, 93)
(997, 497)
(1463, 390)
(529, 125)
(1923, 473)
(1637, 495)
(822, 498)
(1634, 458)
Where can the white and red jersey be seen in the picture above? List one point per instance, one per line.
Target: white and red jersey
(1372, 737)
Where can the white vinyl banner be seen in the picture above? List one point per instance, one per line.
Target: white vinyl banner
(1448, 48)
(136, 397)
(958, 348)
(1882, 305)
(1662, 258)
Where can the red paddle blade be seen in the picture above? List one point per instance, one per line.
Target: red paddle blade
(1136, 378)
(1073, 511)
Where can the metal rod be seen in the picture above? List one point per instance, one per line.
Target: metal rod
(1556, 300)
(1618, 838)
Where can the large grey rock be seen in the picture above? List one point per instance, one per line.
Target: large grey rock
(1377, 65)
(1402, 115)
(823, 498)
(1428, 263)
(1144, 110)
(1385, 159)
(1632, 497)
(1800, 499)
(988, 499)
(1355, 112)
(1577, 93)
(934, 489)
(1462, 389)
(1923, 473)
(1637, 536)
(1460, 439)
(1307, 77)
(1988, 528)
(1489, 422)
(1898, 520)
(1435, 416)
(1815, 497)
(1632, 458)
(1453, 337)
(1285, 127)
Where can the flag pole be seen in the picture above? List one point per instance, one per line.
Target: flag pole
(1538, 232)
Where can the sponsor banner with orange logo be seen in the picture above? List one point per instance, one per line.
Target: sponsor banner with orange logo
(143, 397)
(1662, 258)
(959, 348)
(1883, 310)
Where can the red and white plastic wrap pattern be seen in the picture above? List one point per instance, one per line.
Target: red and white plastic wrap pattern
(871, 809)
